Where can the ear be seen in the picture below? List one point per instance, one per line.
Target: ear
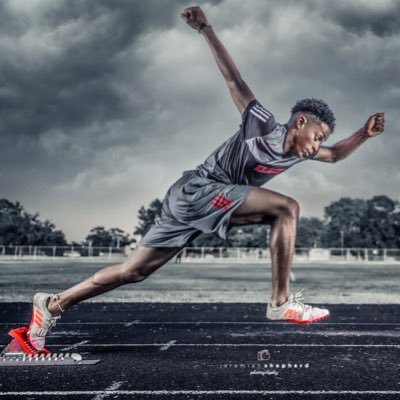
(301, 120)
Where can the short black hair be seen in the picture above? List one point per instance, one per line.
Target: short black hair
(318, 108)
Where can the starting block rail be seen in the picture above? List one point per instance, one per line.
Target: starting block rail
(14, 356)
(23, 360)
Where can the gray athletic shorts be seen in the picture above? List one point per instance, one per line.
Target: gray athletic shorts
(194, 204)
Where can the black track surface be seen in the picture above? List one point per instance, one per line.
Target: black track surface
(193, 351)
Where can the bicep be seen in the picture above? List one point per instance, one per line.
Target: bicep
(325, 154)
(241, 94)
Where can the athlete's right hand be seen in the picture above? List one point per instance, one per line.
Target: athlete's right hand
(194, 17)
(375, 125)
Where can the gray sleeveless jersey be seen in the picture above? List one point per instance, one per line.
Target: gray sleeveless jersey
(252, 156)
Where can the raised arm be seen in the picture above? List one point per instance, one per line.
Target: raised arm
(373, 127)
(240, 92)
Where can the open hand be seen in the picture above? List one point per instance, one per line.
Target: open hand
(194, 17)
(375, 125)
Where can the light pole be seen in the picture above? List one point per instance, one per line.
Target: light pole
(342, 241)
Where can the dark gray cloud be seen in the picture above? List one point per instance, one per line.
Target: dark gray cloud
(378, 18)
(59, 63)
(104, 103)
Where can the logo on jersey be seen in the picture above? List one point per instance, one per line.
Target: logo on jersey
(220, 201)
(261, 113)
(268, 170)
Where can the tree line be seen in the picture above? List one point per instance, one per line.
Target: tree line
(20, 228)
(347, 223)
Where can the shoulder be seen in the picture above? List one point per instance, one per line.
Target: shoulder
(257, 120)
(256, 109)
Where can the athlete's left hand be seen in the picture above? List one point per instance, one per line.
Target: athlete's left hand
(375, 125)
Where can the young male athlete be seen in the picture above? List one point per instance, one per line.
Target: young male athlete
(223, 192)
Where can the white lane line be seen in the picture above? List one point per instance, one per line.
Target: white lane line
(201, 392)
(73, 346)
(138, 322)
(166, 346)
(229, 345)
(112, 388)
(127, 324)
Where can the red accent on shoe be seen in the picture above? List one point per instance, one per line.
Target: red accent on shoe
(291, 314)
(308, 321)
(32, 319)
(21, 336)
(39, 318)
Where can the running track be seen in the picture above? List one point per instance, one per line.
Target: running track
(209, 350)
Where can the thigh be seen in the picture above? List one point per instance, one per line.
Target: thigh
(260, 206)
(146, 260)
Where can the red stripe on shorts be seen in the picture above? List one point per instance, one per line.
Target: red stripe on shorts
(220, 201)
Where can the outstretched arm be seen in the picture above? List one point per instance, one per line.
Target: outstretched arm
(373, 127)
(241, 94)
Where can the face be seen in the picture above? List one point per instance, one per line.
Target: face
(309, 137)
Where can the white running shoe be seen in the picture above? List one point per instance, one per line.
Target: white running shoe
(293, 310)
(42, 321)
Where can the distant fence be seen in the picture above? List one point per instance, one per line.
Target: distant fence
(301, 254)
(202, 254)
(43, 252)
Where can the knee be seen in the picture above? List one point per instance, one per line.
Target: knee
(135, 270)
(132, 274)
(289, 209)
(133, 277)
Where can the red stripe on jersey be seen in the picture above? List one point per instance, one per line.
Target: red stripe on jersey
(220, 201)
(267, 170)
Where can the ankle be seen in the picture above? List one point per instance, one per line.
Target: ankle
(53, 309)
(54, 306)
(278, 301)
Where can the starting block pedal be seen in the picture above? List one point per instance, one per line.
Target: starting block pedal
(15, 356)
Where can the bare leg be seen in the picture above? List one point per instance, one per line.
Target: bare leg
(136, 268)
(266, 206)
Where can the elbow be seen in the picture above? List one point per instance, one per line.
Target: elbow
(235, 83)
(335, 156)
(334, 160)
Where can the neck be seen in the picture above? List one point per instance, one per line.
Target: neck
(289, 139)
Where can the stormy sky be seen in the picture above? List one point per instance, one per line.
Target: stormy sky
(105, 103)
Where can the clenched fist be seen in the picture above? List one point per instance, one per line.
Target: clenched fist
(194, 17)
(375, 125)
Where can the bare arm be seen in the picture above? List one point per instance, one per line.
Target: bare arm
(240, 92)
(373, 127)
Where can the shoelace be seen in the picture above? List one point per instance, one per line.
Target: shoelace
(56, 298)
(53, 322)
(298, 297)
